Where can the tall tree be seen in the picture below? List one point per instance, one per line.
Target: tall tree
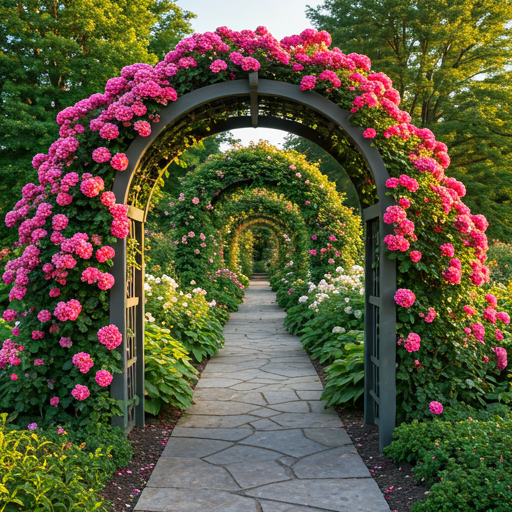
(55, 53)
(448, 59)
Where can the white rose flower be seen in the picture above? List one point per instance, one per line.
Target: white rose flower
(348, 309)
(358, 313)
(184, 304)
(347, 299)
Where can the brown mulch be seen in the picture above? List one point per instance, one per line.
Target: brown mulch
(396, 482)
(148, 443)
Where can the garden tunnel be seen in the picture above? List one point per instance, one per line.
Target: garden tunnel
(267, 103)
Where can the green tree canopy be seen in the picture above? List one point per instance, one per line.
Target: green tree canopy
(56, 53)
(448, 59)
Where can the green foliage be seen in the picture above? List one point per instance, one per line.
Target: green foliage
(168, 372)
(38, 474)
(448, 61)
(188, 316)
(467, 462)
(345, 376)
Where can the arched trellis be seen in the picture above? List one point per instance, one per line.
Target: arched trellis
(127, 296)
(260, 220)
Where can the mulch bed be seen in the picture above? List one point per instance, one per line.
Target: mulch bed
(148, 443)
(396, 482)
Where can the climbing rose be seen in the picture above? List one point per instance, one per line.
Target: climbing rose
(498, 334)
(501, 354)
(80, 392)
(119, 162)
(83, 361)
(59, 222)
(38, 362)
(32, 426)
(44, 316)
(64, 199)
(394, 214)
(478, 331)
(9, 315)
(412, 344)
(91, 275)
(492, 300)
(143, 128)
(490, 315)
(91, 187)
(120, 228)
(415, 256)
(504, 317)
(392, 182)
(14, 376)
(54, 401)
(103, 378)
(404, 202)
(218, 65)
(195, 200)
(105, 253)
(397, 243)
(369, 133)
(431, 315)
(105, 281)
(404, 297)
(308, 82)
(469, 310)
(436, 407)
(109, 131)
(65, 342)
(108, 199)
(101, 155)
(110, 336)
(447, 250)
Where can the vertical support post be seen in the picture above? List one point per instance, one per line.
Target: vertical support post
(119, 386)
(369, 323)
(139, 331)
(387, 342)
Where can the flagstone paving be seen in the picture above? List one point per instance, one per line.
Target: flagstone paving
(258, 438)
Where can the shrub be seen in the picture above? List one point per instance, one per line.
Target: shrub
(467, 462)
(39, 475)
(168, 372)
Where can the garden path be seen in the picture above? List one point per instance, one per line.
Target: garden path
(258, 438)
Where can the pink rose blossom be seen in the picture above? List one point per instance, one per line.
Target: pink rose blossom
(65, 342)
(103, 378)
(101, 155)
(415, 256)
(404, 297)
(504, 317)
(54, 401)
(436, 407)
(369, 133)
(110, 336)
(80, 392)
(501, 355)
(412, 343)
(119, 162)
(83, 361)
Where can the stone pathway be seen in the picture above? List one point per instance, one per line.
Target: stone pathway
(258, 438)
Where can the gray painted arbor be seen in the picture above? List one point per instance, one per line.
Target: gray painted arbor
(127, 295)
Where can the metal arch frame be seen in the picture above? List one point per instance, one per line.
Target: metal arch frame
(380, 364)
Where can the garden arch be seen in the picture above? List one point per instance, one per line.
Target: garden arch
(284, 106)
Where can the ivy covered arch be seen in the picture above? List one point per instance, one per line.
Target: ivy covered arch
(122, 140)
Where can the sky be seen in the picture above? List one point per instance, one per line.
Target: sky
(281, 17)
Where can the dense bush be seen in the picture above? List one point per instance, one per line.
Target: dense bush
(42, 475)
(467, 462)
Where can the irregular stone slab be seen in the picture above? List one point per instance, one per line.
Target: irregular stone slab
(200, 420)
(308, 420)
(317, 405)
(273, 506)
(190, 474)
(265, 424)
(279, 397)
(339, 462)
(309, 395)
(291, 407)
(224, 434)
(254, 473)
(247, 386)
(264, 412)
(193, 448)
(350, 495)
(241, 453)
(190, 500)
(218, 408)
(328, 436)
(288, 442)
(216, 383)
(227, 394)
